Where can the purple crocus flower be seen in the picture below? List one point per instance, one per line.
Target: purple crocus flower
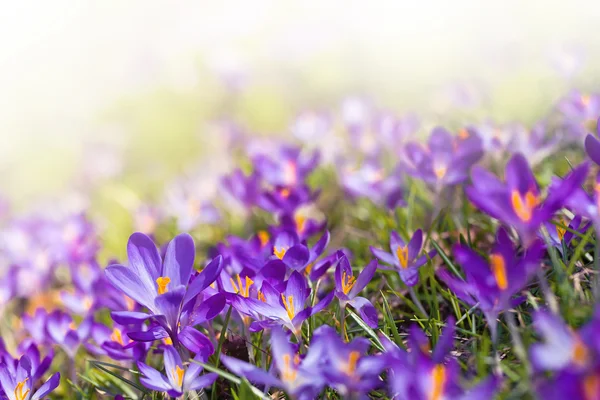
(178, 379)
(371, 181)
(348, 368)
(286, 200)
(301, 377)
(286, 307)
(18, 384)
(39, 365)
(288, 169)
(559, 235)
(347, 288)
(427, 375)
(405, 258)
(297, 255)
(444, 161)
(241, 191)
(579, 111)
(492, 284)
(62, 330)
(162, 287)
(518, 202)
(571, 385)
(562, 347)
(115, 343)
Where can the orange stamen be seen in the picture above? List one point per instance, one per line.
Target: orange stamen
(499, 270)
(162, 283)
(438, 376)
(402, 255)
(289, 306)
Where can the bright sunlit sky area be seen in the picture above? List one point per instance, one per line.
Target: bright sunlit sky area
(63, 64)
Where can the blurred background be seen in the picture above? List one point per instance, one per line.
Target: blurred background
(119, 98)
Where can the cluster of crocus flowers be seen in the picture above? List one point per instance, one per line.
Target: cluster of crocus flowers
(177, 305)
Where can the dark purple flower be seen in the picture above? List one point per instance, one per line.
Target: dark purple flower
(299, 376)
(347, 288)
(518, 202)
(405, 258)
(348, 368)
(559, 235)
(240, 190)
(178, 379)
(571, 385)
(492, 284)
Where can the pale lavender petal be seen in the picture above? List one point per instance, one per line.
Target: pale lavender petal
(179, 260)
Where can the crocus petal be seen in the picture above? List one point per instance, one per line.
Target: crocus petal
(7, 380)
(363, 278)
(127, 280)
(366, 310)
(324, 302)
(196, 342)
(319, 246)
(296, 257)
(249, 371)
(592, 148)
(383, 255)
(47, 387)
(152, 334)
(280, 348)
(202, 381)
(144, 258)
(486, 182)
(519, 176)
(152, 379)
(169, 305)
(172, 360)
(179, 260)
(415, 244)
(209, 309)
(445, 342)
(129, 317)
(207, 276)
(297, 288)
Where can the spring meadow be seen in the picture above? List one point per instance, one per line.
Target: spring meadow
(268, 202)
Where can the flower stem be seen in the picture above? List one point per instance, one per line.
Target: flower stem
(417, 302)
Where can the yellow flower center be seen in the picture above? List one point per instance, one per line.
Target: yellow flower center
(162, 283)
(560, 231)
(591, 387)
(19, 394)
(440, 171)
(116, 336)
(580, 353)
(463, 133)
(586, 99)
(178, 373)
(289, 371)
(348, 282)
(499, 270)
(289, 306)
(523, 207)
(300, 222)
(168, 341)
(263, 237)
(438, 376)
(242, 289)
(285, 192)
(402, 255)
(260, 295)
(279, 252)
(352, 362)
